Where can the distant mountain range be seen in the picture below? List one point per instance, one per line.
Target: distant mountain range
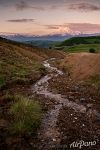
(25, 37)
(51, 37)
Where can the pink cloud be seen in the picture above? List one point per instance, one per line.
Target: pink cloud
(75, 27)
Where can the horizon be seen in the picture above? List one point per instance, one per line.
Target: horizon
(45, 17)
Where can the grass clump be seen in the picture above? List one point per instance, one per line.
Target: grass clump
(26, 115)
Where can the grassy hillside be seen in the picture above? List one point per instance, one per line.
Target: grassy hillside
(17, 63)
(80, 44)
(42, 43)
(82, 48)
(21, 62)
(20, 111)
(81, 40)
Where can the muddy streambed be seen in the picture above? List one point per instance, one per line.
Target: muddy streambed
(49, 132)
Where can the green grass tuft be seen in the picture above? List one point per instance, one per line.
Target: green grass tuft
(26, 115)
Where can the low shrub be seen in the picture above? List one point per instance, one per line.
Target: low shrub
(92, 50)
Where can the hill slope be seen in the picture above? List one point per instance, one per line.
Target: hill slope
(78, 44)
(82, 65)
(21, 62)
(81, 40)
(21, 114)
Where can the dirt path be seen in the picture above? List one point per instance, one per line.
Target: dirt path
(49, 133)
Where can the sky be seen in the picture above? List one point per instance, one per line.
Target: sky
(42, 17)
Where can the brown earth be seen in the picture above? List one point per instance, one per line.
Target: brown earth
(81, 65)
(72, 125)
(75, 127)
(84, 93)
(77, 85)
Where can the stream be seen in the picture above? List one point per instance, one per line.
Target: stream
(49, 132)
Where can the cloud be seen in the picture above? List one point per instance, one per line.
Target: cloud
(52, 26)
(84, 7)
(75, 28)
(84, 27)
(22, 5)
(21, 20)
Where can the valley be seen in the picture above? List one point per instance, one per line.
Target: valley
(48, 98)
(79, 44)
(49, 74)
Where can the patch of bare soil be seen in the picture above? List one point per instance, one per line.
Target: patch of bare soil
(81, 65)
(76, 127)
(86, 94)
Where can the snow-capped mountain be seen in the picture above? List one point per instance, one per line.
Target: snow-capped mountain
(49, 37)
(26, 37)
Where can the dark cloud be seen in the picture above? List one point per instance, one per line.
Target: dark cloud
(52, 26)
(41, 5)
(84, 7)
(22, 5)
(48, 2)
(21, 20)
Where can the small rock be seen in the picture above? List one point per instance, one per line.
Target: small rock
(83, 110)
(71, 97)
(82, 99)
(89, 105)
(83, 125)
(54, 140)
(42, 140)
(75, 118)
